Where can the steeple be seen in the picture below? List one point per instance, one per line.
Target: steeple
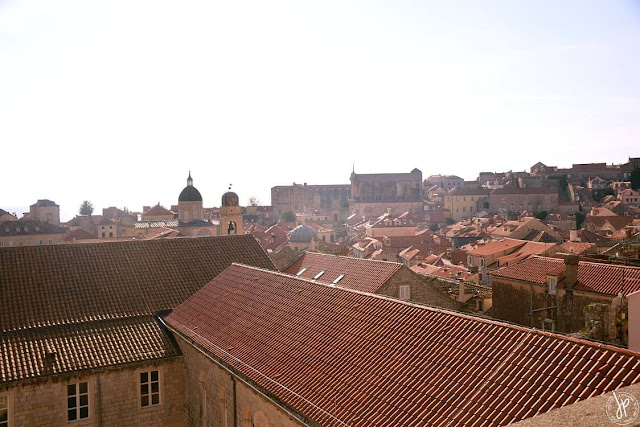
(189, 180)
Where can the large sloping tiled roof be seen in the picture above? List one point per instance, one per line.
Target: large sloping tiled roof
(62, 284)
(359, 274)
(592, 276)
(342, 357)
(93, 304)
(92, 345)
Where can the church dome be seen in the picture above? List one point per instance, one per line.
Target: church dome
(230, 199)
(190, 193)
(303, 234)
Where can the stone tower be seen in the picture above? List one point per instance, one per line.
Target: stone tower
(230, 214)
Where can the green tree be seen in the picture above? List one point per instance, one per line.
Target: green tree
(542, 215)
(580, 217)
(635, 179)
(288, 216)
(563, 189)
(86, 208)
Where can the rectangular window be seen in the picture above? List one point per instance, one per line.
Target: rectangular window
(102, 234)
(4, 411)
(110, 234)
(149, 389)
(77, 401)
(301, 271)
(404, 292)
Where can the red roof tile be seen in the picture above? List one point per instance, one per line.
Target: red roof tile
(497, 246)
(157, 210)
(592, 277)
(92, 345)
(338, 356)
(359, 274)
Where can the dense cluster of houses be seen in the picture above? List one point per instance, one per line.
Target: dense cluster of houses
(383, 302)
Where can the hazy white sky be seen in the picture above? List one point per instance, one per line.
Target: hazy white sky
(115, 101)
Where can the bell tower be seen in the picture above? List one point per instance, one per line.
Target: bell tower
(230, 214)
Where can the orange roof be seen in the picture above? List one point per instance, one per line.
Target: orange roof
(359, 274)
(157, 210)
(335, 356)
(496, 247)
(593, 277)
(576, 247)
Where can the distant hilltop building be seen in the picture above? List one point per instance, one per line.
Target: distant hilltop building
(372, 194)
(302, 198)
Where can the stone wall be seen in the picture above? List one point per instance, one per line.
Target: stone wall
(423, 291)
(375, 209)
(514, 300)
(210, 396)
(113, 399)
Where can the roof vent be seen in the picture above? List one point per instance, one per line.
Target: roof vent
(317, 276)
(299, 273)
(337, 279)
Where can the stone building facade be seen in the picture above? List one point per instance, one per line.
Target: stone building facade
(465, 203)
(217, 396)
(303, 198)
(45, 211)
(113, 398)
(563, 295)
(516, 200)
(374, 194)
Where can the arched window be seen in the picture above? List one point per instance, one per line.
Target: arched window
(233, 228)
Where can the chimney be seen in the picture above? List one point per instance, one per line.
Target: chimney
(478, 226)
(50, 354)
(573, 236)
(461, 291)
(571, 271)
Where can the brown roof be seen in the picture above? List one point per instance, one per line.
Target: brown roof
(157, 210)
(62, 284)
(496, 247)
(359, 274)
(576, 247)
(94, 303)
(83, 346)
(79, 234)
(337, 356)
(593, 277)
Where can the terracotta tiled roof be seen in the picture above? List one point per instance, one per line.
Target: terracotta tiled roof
(592, 276)
(93, 303)
(27, 227)
(79, 234)
(497, 246)
(63, 284)
(359, 274)
(157, 210)
(83, 346)
(341, 357)
(576, 247)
